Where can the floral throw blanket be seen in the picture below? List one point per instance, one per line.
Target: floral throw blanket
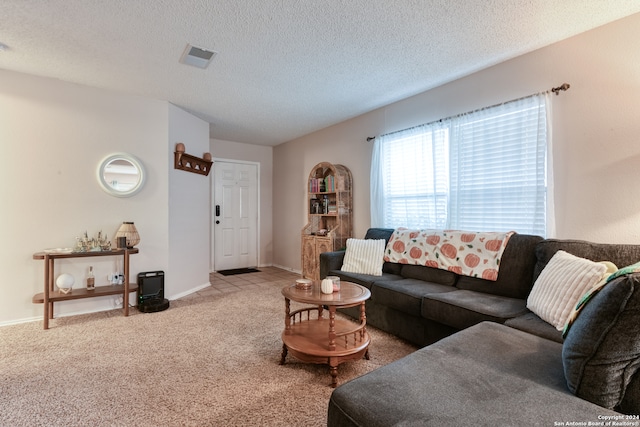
(463, 252)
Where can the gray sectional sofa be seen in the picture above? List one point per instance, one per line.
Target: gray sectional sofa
(488, 360)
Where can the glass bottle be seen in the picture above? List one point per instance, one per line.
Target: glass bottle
(91, 280)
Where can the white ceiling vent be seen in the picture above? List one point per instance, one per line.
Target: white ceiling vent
(197, 56)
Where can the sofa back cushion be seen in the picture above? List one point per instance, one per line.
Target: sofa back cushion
(601, 352)
(428, 274)
(620, 255)
(515, 279)
(379, 233)
(392, 268)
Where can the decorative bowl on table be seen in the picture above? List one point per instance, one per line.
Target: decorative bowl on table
(304, 284)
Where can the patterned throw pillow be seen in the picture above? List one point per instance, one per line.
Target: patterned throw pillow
(561, 284)
(364, 256)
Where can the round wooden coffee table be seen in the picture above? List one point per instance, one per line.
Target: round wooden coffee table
(311, 337)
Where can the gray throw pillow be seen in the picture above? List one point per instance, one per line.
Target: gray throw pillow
(601, 352)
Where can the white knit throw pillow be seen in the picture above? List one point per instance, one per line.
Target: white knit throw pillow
(364, 256)
(560, 285)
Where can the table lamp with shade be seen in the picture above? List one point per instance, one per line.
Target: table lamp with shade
(130, 233)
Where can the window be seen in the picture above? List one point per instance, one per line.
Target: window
(482, 171)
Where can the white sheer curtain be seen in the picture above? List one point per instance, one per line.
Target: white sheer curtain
(551, 206)
(410, 177)
(489, 170)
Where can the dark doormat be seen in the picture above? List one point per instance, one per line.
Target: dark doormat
(238, 271)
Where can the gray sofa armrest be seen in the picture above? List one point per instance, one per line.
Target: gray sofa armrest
(330, 261)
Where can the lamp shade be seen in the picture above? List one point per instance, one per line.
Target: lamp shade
(128, 230)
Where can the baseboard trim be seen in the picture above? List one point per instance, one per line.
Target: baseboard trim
(189, 292)
(20, 321)
(282, 267)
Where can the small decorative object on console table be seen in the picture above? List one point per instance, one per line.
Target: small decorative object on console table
(91, 280)
(329, 341)
(65, 282)
(190, 163)
(99, 243)
(128, 230)
(49, 296)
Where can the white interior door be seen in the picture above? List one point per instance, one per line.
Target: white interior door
(235, 215)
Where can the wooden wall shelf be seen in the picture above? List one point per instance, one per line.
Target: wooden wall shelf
(189, 163)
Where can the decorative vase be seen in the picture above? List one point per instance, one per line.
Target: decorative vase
(326, 286)
(128, 230)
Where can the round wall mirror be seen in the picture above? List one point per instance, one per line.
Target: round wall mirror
(121, 175)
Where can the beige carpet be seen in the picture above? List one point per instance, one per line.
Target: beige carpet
(206, 362)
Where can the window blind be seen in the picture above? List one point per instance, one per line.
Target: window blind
(415, 173)
(483, 171)
(498, 168)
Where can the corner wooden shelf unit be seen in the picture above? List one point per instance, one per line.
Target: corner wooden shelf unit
(329, 206)
(49, 296)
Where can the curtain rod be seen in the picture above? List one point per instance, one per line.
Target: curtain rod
(556, 90)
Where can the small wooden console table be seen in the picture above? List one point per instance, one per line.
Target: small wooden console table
(316, 339)
(49, 296)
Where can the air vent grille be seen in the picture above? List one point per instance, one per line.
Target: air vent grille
(197, 56)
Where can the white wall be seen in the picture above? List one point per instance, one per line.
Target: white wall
(189, 214)
(228, 150)
(53, 136)
(596, 126)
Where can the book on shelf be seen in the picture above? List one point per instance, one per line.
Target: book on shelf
(322, 185)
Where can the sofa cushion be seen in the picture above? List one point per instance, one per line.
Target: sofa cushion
(561, 284)
(631, 402)
(516, 270)
(462, 309)
(365, 280)
(405, 295)
(489, 375)
(392, 268)
(601, 351)
(618, 254)
(364, 256)
(379, 233)
(428, 274)
(531, 323)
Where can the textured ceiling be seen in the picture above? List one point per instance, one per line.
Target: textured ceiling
(284, 68)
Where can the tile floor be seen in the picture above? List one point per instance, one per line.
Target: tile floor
(267, 277)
